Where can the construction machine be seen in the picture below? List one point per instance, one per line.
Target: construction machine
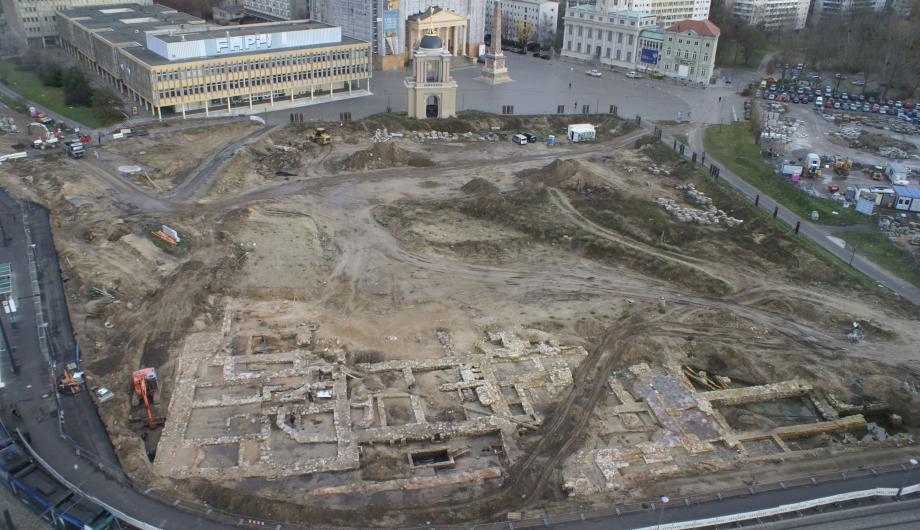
(46, 139)
(842, 166)
(875, 172)
(320, 136)
(146, 386)
(71, 381)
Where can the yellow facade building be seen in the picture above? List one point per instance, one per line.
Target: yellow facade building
(170, 62)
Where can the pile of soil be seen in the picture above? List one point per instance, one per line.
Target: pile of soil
(384, 155)
(278, 158)
(480, 187)
(565, 174)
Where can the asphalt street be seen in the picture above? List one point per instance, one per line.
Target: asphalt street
(32, 393)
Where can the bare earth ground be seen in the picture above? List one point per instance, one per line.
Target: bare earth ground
(513, 327)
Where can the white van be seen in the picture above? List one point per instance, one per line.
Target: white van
(819, 102)
(519, 139)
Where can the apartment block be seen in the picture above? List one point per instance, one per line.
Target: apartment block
(773, 15)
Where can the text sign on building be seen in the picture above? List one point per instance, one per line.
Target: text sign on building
(242, 44)
(649, 56)
(391, 18)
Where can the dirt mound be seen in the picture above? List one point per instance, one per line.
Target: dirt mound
(384, 155)
(566, 174)
(479, 186)
(277, 158)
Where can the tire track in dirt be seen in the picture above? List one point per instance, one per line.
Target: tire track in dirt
(561, 202)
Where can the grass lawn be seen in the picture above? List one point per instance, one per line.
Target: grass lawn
(875, 246)
(13, 104)
(733, 145)
(27, 84)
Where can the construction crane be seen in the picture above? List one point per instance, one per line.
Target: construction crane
(146, 386)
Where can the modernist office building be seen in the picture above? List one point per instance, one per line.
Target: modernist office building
(172, 62)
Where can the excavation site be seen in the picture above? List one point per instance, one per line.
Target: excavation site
(391, 322)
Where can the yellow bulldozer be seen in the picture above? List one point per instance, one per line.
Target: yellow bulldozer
(320, 136)
(842, 166)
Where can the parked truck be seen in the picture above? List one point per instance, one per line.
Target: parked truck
(74, 148)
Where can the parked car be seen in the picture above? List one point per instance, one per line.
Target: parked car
(541, 55)
(594, 72)
(632, 74)
(531, 138)
(858, 82)
(865, 107)
(837, 105)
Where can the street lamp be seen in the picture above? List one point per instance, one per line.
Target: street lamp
(913, 464)
(664, 500)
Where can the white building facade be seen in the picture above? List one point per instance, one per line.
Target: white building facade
(610, 38)
(383, 23)
(666, 12)
(525, 20)
(773, 15)
(277, 9)
(33, 20)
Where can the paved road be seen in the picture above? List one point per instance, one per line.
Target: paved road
(32, 392)
(759, 501)
(885, 514)
(817, 233)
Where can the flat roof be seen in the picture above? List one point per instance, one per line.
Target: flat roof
(127, 25)
(242, 31)
(907, 191)
(153, 59)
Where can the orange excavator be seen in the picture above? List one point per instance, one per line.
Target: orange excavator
(146, 386)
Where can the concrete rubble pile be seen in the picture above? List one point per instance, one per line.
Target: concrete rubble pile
(8, 125)
(848, 133)
(891, 124)
(895, 227)
(711, 215)
(440, 136)
(894, 152)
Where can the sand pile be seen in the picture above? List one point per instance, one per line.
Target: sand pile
(479, 186)
(384, 155)
(566, 174)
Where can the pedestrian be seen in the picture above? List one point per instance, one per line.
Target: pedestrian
(570, 85)
(575, 106)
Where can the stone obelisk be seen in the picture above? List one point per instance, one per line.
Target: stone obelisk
(495, 71)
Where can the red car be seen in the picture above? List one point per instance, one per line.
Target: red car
(908, 105)
(829, 104)
(833, 189)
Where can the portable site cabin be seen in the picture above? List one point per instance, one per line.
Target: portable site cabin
(791, 171)
(813, 162)
(907, 199)
(897, 173)
(581, 132)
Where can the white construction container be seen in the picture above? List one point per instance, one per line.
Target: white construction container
(581, 132)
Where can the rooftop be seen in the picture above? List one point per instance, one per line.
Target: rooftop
(129, 26)
(701, 27)
(907, 191)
